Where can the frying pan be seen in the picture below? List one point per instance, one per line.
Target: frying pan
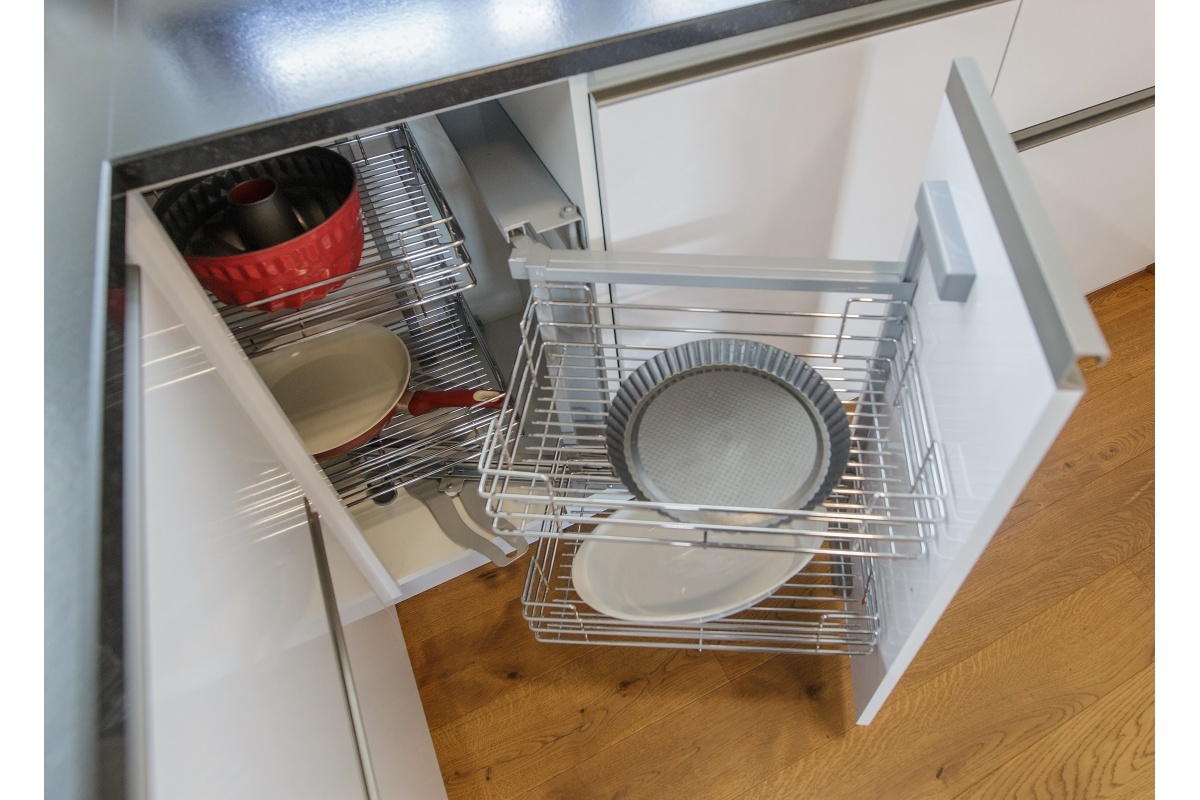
(728, 422)
(340, 389)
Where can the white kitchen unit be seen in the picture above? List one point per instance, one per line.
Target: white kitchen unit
(537, 226)
(1068, 55)
(1071, 69)
(251, 689)
(815, 155)
(958, 362)
(1098, 189)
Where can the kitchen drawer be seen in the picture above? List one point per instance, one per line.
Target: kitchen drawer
(1098, 189)
(1068, 55)
(962, 396)
(815, 155)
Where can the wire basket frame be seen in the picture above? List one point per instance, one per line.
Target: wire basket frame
(545, 466)
(413, 271)
(827, 608)
(413, 251)
(447, 353)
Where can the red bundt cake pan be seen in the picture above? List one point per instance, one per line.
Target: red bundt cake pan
(322, 188)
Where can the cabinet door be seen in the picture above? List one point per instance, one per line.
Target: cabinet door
(998, 371)
(148, 245)
(241, 691)
(816, 155)
(1068, 55)
(1098, 189)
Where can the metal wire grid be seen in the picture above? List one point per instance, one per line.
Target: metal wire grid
(546, 470)
(414, 267)
(446, 353)
(413, 250)
(826, 608)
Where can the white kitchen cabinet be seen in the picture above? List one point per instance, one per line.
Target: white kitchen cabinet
(1068, 55)
(815, 155)
(244, 696)
(1098, 189)
(956, 391)
(244, 689)
(958, 397)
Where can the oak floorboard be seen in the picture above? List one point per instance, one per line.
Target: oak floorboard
(1041, 560)
(564, 786)
(1104, 433)
(546, 727)
(1102, 753)
(442, 607)
(735, 664)
(1140, 787)
(1130, 338)
(480, 659)
(727, 740)
(1132, 293)
(957, 728)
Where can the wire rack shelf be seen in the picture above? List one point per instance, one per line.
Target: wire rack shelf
(413, 271)
(546, 471)
(828, 608)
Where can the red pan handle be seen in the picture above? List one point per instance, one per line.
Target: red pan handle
(420, 402)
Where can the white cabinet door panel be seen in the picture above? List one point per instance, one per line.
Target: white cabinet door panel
(148, 245)
(243, 694)
(817, 155)
(1068, 55)
(402, 755)
(1098, 189)
(998, 371)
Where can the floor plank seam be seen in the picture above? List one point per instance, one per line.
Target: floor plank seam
(1140, 579)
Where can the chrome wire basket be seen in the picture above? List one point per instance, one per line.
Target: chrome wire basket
(546, 472)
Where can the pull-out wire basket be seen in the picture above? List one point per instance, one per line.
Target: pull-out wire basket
(411, 277)
(413, 251)
(827, 608)
(545, 467)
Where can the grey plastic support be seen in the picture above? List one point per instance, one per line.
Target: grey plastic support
(520, 192)
(476, 507)
(1064, 322)
(944, 241)
(438, 497)
(531, 260)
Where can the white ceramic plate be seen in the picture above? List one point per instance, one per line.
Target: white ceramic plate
(646, 582)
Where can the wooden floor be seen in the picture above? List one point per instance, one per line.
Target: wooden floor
(1038, 682)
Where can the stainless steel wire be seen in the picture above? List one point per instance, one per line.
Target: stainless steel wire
(827, 608)
(413, 270)
(545, 466)
(413, 250)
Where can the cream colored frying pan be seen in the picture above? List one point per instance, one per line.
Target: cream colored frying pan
(340, 389)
